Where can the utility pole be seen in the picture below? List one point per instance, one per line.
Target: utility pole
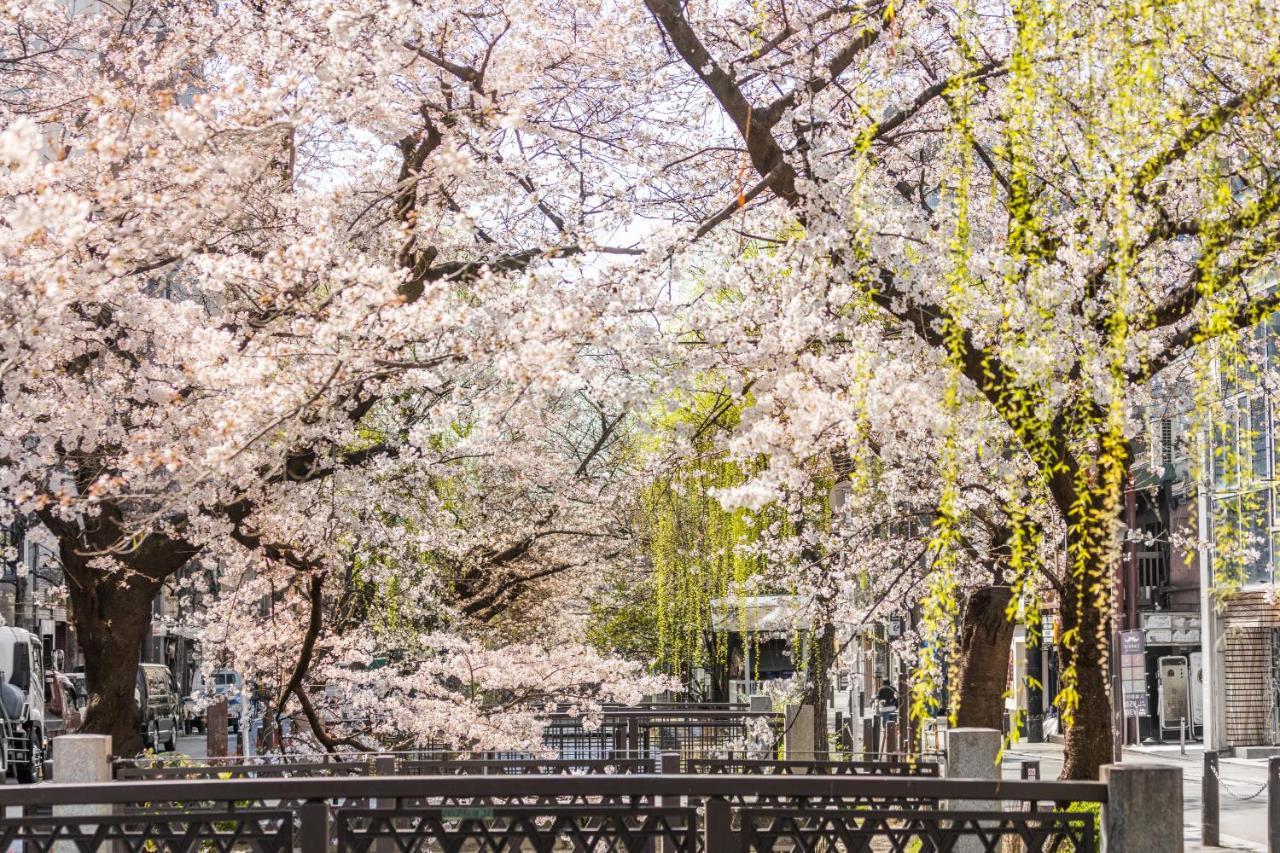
(1035, 691)
(1209, 629)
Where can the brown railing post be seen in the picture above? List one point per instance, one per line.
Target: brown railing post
(717, 827)
(215, 728)
(1209, 800)
(633, 736)
(869, 745)
(383, 766)
(313, 821)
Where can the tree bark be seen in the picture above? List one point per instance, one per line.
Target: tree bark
(1089, 737)
(982, 668)
(817, 688)
(111, 616)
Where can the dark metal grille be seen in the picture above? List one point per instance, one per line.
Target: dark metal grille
(525, 766)
(693, 734)
(769, 767)
(807, 831)
(219, 770)
(600, 829)
(166, 832)
(510, 813)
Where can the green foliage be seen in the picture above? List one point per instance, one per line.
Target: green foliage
(624, 621)
(698, 550)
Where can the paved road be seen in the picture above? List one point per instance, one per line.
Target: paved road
(192, 745)
(1242, 823)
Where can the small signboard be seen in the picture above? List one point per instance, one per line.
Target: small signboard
(466, 814)
(1133, 673)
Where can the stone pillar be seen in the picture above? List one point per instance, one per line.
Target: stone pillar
(972, 754)
(81, 760)
(798, 737)
(1143, 812)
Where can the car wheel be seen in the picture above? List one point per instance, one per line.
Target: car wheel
(172, 744)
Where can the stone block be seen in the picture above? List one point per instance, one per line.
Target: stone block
(81, 760)
(1143, 812)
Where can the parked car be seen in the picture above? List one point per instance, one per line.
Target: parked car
(157, 699)
(22, 706)
(78, 687)
(63, 706)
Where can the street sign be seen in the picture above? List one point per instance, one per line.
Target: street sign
(1133, 673)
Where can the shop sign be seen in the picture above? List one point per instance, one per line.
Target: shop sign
(1133, 673)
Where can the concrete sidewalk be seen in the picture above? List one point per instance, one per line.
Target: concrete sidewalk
(1242, 793)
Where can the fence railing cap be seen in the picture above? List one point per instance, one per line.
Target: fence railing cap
(706, 787)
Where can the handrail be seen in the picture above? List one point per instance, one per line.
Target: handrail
(662, 713)
(707, 787)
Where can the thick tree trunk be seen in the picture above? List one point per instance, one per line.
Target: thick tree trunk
(112, 614)
(1089, 737)
(817, 690)
(982, 669)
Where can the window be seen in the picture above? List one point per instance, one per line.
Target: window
(1242, 536)
(21, 677)
(157, 680)
(1258, 435)
(1224, 457)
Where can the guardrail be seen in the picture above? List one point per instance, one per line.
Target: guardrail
(771, 767)
(688, 814)
(693, 732)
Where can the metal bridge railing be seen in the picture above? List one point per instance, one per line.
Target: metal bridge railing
(599, 813)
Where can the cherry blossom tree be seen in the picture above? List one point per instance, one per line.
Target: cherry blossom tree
(279, 278)
(1053, 199)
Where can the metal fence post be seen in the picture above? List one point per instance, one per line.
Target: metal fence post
(868, 739)
(1209, 800)
(717, 827)
(1143, 811)
(313, 819)
(668, 765)
(384, 765)
(1273, 803)
(633, 737)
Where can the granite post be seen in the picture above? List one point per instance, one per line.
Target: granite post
(1143, 811)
